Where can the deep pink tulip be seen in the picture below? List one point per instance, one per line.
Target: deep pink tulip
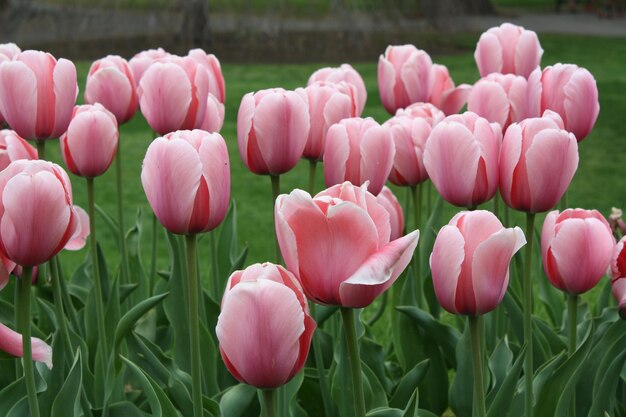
(461, 158)
(506, 98)
(89, 145)
(618, 272)
(142, 60)
(211, 64)
(213, 115)
(404, 77)
(11, 343)
(38, 94)
(571, 91)
(508, 49)
(344, 73)
(427, 111)
(576, 249)
(444, 94)
(173, 94)
(409, 136)
(110, 82)
(328, 104)
(358, 150)
(470, 262)
(338, 244)
(13, 147)
(272, 130)
(37, 218)
(264, 328)
(396, 216)
(537, 163)
(186, 177)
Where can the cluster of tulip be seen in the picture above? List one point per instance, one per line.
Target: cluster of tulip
(342, 247)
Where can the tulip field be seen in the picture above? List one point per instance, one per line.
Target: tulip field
(420, 236)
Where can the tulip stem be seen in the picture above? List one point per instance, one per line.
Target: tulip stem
(194, 324)
(41, 149)
(321, 371)
(58, 305)
(120, 214)
(477, 352)
(275, 193)
(572, 309)
(24, 308)
(349, 324)
(312, 169)
(216, 287)
(527, 302)
(416, 193)
(153, 259)
(269, 402)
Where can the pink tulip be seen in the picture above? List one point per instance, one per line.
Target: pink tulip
(409, 137)
(79, 238)
(537, 163)
(404, 77)
(272, 130)
(264, 328)
(396, 217)
(344, 73)
(8, 51)
(358, 150)
(572, 93)
(186, 177)
(11, 343)
(212, 65)
(618, 271)
(506, 98)
(89, 145)
(338, 244)
(470, 262)
(328, 104)
(141, 61)
(576, 249)
(461, 158)
(38, 94)
(173, 94)
(110, 82)
(213, 115)
(508, 49)
(444, 94)
(36, 215)
(13, 147)
(426, 111)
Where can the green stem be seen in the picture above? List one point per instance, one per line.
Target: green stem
(194, 324)
(120, 215)
(563, 203)
(312, 169)
(275, 193)
(58, 306)
(269, 402)
(349, 324)
(527, 303)
(416, 193)
(477, 352)
(41, 149)
(153, 260)
(572, 309)
(23, 307)
(216, 288)
(321, 371)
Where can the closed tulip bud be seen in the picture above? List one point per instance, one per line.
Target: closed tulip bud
(28, 236)
(110, 82)
(537, 163)
(461, 158)
(618, 272)
(214, 71)
(213, 115)
(89, 145)
(13, 147)
(186, 177)
(576, 249)
(173, 94)
(404, 77)
(264, 328)
(444, 94)
(426, 111)
(508, 49)
(38, 94)
(338, 244)
(344, 73)
(11, 343)
(571, 91)
(470, 262)
(142, 60)
(272, 130)
(396, 217)
(328, 104)
(506, 98)
(409, 136)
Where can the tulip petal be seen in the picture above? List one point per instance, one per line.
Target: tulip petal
(111, 88)
(65, 93)
(79, 238)
(581, 103)
(528, 53)
(445, 263)
(453, 100)
(488, 54)
(489, 100)
(377, 152)
(18, 101)
(336, 154)
(386, 84)
(216, 171)
(11, 342)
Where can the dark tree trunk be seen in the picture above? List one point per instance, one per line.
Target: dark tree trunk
(439, 12)
(195, 28)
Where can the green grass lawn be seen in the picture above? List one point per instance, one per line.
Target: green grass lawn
(599, 183)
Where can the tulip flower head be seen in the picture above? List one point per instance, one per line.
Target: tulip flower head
(396, 216)
(186, 177)
(214, 71)
(444, 94)
(470, 262)
(338, 244)
(344, 73)
(13, 147)
(213, 115)
(409, 136)
(141, 61)
(427, 111)
(618, 272)
(264, 328)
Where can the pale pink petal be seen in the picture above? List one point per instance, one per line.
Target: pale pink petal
(547, 235)
(18, 101)
(416, 78)
(489, 100)
(244, 127)
(528, 53)
(111, 88)
(445, 263)
(377, 153)
(213, 115)
(216, 170)
(386, 84)
(581, 103)
(11, 343)
(488, 54)
(452, 101)
(79, 238)
(65, 92)
(336, 153)
(396, 216)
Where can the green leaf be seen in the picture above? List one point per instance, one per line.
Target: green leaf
(462, 389)
(385, 412)
(500, 363)
(406, 387)
(239, 401)
(125, 409)
(605, 385)
(111, 223)
(133, 315)
(373, 355)
(499, 399)
(373, 391)
(69, 395)
(160, 405)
